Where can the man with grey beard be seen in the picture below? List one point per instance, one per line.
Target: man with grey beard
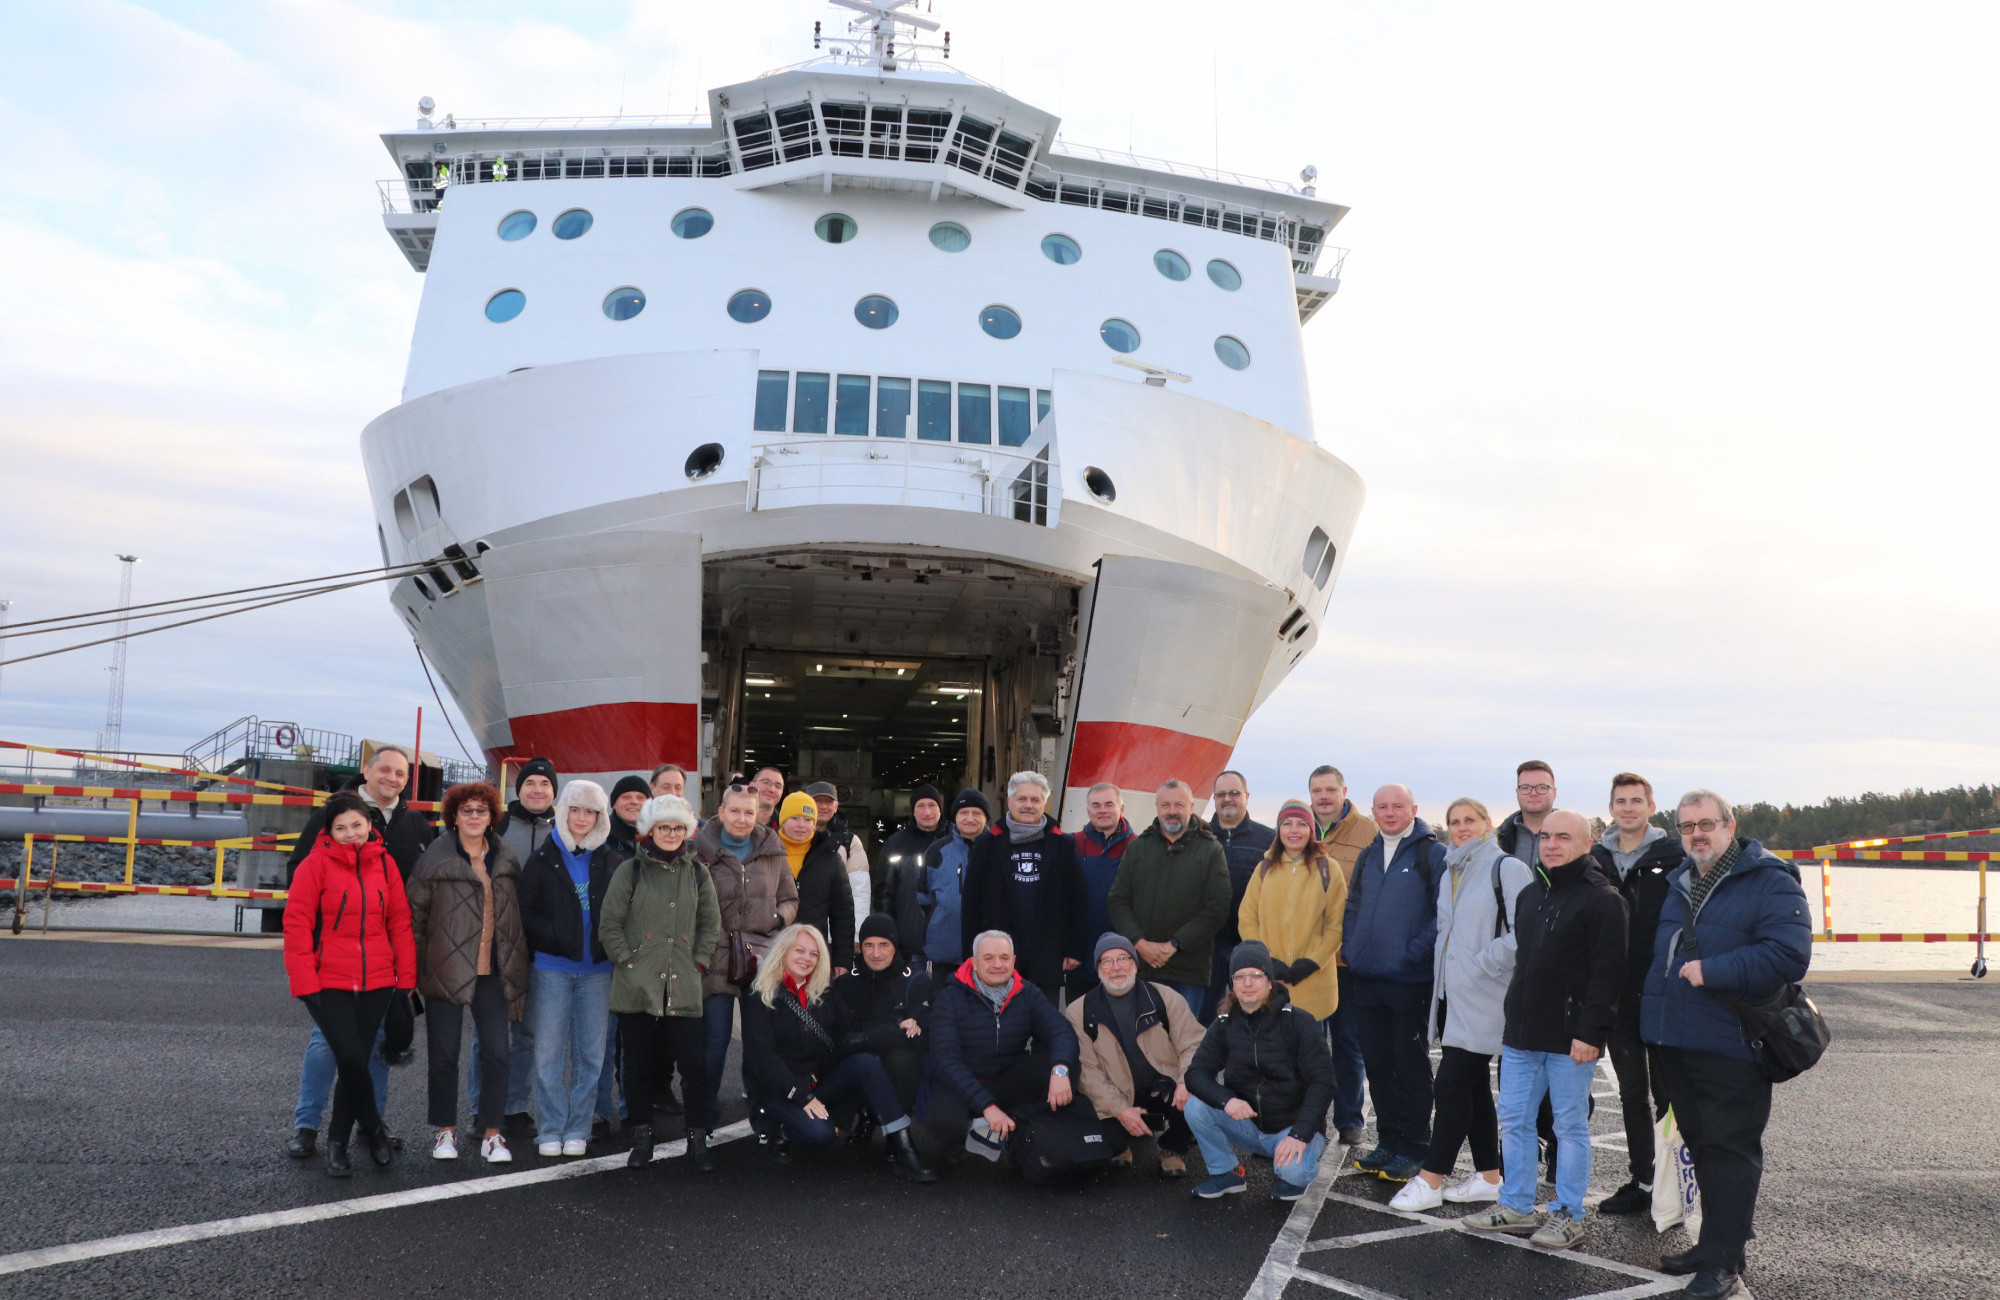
(1171, 895)
(1137, 1042)
(1734, 925)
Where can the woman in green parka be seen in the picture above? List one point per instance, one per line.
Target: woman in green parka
(660, 926)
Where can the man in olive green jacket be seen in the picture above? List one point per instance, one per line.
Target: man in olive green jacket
(1172, 895)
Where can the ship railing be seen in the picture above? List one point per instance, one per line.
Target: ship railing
(1007, 482)
(1082, 189)
(1066, 149)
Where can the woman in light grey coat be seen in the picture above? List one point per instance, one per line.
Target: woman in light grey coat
(1473, 966)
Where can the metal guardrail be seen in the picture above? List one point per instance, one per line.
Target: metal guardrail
(1827, 855)
(833, 470)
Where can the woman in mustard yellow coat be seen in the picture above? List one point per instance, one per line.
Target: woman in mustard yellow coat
(1294, 905)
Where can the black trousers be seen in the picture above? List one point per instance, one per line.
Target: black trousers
(1465, 1112)
(1721, 1106)
(349, 1022)
(444, 1025)
(1639, 1096)
(905, 1068)
(1020, 1088)
(1395, 1046)
(655, 1046)
(1161, 1115)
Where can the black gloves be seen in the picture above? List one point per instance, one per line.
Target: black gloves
(1301, 970)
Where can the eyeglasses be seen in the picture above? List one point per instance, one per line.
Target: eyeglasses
(1116, 959)
(1706, 826)
(1533, 789)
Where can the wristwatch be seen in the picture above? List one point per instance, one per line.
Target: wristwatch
(1061, 1072)
(1175, 944)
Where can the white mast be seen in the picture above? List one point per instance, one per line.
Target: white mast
(114, 713)
(873, 38)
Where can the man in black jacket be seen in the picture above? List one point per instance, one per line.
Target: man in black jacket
(1637, 857)
(1569, 965)
(888, 1005)
(999, 1049)
(904, 858)
(1244, 841)
(1262, 1082)
(1026, 878)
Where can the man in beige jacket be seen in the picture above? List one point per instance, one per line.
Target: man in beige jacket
(1136, 1038)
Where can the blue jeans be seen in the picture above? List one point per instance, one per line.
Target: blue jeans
(1222, 1137)
(1348, 1067)
(316, 1080)
(1195, 995)
(571, 1011)
(609, 1107)
(1525, 1077)
(520, 1062)
(718, 1020)
(858, 1080)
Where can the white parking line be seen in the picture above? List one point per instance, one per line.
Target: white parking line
(1345, 1288)
(1370, 1238)
(1281, 1261)
(77, 1251)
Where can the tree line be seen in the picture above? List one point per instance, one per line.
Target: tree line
(1871, 816)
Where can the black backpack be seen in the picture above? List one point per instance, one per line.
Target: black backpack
(1054, 1146)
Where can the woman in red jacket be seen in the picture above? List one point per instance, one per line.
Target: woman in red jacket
(347, 951)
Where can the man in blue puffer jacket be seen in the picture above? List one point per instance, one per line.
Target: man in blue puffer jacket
(1387, 943)
(1734, 923)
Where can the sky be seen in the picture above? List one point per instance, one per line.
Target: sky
(1666, 348)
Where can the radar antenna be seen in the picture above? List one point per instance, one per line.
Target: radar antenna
(876, 39)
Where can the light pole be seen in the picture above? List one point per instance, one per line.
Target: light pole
(114, 713)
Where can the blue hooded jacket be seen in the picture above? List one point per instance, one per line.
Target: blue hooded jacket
(1754, 935)
(1390, 932)
(942, 896)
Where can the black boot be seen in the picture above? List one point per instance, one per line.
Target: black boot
(1632, 1198)
(909, 1159)
(642, 1147)
(1680, 1265)
(779, 1146)
(300, 1145)
(698, 1153)
(1716, 1284)
(380, 1146)
(864, 1128)
(337, 1165)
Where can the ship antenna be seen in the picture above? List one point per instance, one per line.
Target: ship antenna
(872, 38)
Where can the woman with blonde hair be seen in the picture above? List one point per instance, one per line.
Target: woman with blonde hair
(1294, 905)
(799, 1050)
(1474, 963)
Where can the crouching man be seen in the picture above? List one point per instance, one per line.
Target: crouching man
(1261, 1082)
(999, 1050)
(1136, 1038)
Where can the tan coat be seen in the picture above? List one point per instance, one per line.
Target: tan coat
(447, 916)
(1349, 836)
(1290, 911)
(757, 897)
(1107, 1075)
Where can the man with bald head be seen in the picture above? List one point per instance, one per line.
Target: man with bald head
(1386, 944)
(1569, 966)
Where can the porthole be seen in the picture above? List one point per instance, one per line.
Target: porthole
(1317, 562)
(1171, 264)
(835, 228)
(876, 312)
(750, 305)
(692, 223)
(571, 224)
(1231, 352)
(1062, 250)
(505, 305)
(703, 461)
(517, 225)
(1100, 484)
(1000, 322)
(624, 304)
(951, 237)
(1119, 335)
(1225, 275)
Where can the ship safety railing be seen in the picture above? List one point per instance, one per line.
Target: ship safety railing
(247, 739)
(1872, 851)
(1006, 482)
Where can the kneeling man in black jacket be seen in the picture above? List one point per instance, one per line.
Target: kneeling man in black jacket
(888, 1006)
(999, 1049)
(1261, 1082)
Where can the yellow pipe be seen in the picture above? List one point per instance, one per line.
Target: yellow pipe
(131, 840)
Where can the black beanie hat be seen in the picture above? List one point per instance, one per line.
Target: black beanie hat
(536, 766)
(971, 799)
(1249, 955)
(631, 785)
(926, 791)
(879, 925)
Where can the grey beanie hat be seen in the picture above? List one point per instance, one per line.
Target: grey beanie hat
(1250, 954)
(1109, 942)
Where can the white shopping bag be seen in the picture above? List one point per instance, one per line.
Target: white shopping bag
(1676, 1198)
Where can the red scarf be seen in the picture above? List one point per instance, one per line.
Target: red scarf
(797, 992)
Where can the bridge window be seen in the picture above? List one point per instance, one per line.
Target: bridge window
(951, 237)
(505, 305)
(798, 131)
(1231, 352)
(1171, 264)
(892, 408)
(754, 141)
(1225, 275)
(1319, 556)
(1042, 402)
(1000, 322)
(750, 306)
(809, 403)
(1062, 250)
(925, 134)
(934, 410)
(624, 304)
(975, 413)
(693, 223)
(517, 225)
(572, 224)
(846, 128)
(1014, 423)
(970, 145)
(774, 390)
(1119, 335)
(850, 408)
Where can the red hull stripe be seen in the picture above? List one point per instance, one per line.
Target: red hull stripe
(609, 737)
(1138, 757)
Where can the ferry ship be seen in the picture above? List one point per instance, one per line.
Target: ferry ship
(858, 427)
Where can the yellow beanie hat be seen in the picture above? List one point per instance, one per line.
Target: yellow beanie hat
(796, 803)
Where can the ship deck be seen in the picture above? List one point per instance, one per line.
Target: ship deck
(145, 1089)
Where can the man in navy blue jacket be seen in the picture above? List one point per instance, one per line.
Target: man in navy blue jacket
(999, 1047)
(1387, 943)
(1734, 924)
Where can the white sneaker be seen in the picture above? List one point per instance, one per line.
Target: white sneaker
(1417, 1195)
(576, 1147)
(1475, 1188)
(445, 1145)
(548, 1150)
(493, 1150)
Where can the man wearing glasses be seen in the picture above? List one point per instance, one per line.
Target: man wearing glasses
(1734, 925)
(1535, 793)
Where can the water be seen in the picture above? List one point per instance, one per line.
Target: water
(1876, 900)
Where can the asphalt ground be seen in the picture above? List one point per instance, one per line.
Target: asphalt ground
(146, 1088)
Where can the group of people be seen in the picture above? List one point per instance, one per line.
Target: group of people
(1209, 983)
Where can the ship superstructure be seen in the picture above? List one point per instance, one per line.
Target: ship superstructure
(860, 429)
